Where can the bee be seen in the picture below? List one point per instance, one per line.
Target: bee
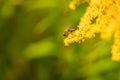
(67, 31)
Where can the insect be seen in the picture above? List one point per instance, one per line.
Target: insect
(67, 31)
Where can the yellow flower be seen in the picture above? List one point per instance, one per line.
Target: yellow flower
(106, 14)
(116, 46)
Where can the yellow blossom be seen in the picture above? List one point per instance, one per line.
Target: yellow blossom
(106, 14)
(116, 46)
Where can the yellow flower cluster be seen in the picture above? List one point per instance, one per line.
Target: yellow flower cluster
(102, 16)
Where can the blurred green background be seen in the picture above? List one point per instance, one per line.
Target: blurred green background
(32, 48)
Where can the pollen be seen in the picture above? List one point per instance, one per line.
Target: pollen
(106, 14)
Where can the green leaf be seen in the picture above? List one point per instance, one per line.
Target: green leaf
(37, 4)
(39, 49)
